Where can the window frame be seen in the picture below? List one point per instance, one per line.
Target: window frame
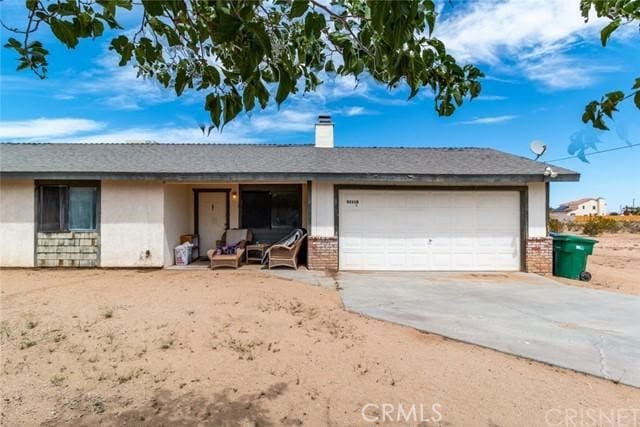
(64, 204)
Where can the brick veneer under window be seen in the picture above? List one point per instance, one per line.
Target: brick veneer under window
(539, 255)
(68, 249)
(322, 253)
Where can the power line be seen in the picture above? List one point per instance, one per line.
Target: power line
(596, 152)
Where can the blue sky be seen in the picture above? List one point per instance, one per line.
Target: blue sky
(543, 64)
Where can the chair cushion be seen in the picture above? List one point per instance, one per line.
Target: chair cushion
(291, 238)
(236, 235)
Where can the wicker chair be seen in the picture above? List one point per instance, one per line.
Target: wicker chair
(229, 260)
(285, 256)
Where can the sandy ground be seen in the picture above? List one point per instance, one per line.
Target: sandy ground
(614, 265)
(242, 348)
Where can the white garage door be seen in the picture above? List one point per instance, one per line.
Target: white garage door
(429, 230)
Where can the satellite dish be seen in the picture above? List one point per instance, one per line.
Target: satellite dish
(538, 148)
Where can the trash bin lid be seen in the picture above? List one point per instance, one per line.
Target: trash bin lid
(572, 238)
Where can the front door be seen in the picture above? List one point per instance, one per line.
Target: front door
(212, 218)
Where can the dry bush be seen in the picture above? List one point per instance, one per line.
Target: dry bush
(555, 225)
(598, 225)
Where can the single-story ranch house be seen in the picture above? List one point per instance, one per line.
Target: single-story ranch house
(126, 205)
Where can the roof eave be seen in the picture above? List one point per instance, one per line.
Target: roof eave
(295, 176)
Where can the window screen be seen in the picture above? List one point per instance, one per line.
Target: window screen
(82, 208)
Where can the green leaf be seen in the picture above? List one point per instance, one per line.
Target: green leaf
(13, 43)
(213, 105)
(329, 67)
(248, 98)
(314, 23)
(284, 87)
(232, 106)
(263, 95)
(636, 99)
(181, 80)
(153, 7)
(431, 21)
(98, 28)
(64, 32)
(605, 33)
(298, 8)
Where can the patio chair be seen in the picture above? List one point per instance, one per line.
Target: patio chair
(235, 237)
(285, 253)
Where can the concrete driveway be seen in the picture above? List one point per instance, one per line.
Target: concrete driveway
(586, 330)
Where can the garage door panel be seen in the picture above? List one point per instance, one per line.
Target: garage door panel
(429, 230)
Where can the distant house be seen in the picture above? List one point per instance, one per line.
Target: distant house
(582, 207)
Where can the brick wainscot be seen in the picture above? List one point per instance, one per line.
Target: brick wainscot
(323, 253)
(68, 249)
(539, 255)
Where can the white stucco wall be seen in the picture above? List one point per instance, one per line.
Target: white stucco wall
(17, 225)
(178, 205)
(131, 223)
(537, 209)
(322, 209)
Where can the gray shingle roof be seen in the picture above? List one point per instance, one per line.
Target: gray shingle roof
(207, 161)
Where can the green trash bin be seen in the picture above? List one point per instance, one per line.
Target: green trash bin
(570, 256)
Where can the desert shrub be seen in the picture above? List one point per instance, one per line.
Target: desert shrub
(598, 225)
(555, 225)
(573, 226)
(631, 226)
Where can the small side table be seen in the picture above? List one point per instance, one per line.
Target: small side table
(256, 252)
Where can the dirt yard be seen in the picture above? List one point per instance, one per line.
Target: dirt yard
(615, 264)
(242, 348)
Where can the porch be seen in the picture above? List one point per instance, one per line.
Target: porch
(269, 210)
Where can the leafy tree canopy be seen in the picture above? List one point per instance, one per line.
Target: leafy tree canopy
(620, 12)
(243, 52)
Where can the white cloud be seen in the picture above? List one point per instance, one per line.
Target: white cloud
(354, 111)
(490, 98)
(289, 119)
(116, 87)
(529, 37)
(46, 128)
(488, 120)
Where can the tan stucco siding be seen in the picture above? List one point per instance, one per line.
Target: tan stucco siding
(17, 223)
(131, 224)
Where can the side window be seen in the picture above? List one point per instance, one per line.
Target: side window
(67, 207)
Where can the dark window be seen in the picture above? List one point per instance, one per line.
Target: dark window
(271, 209)
(67, 207)
(285, 209)
(52, 207)
(256, 209)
